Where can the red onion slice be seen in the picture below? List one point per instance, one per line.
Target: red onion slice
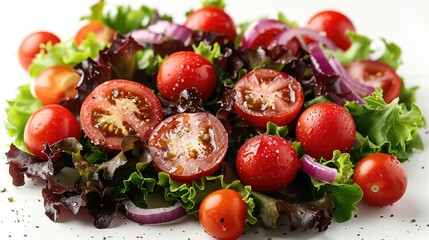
(348, 80)
(258, 27)
(287, 35)
(152, 215)
(173, 30)
(314, 169)
(144, 36)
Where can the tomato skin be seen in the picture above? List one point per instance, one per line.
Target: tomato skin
(55, 84)
(265, 95)
(210, 19)
(222, 213)
(30, 46)
(267, 163)
(376, 74)
(49, 124)
(119, 108)
(334, 24)
(382, 178)
(183, 70)
(203, 144)
(101, 31)
(325, 127)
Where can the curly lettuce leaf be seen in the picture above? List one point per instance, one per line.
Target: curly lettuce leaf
(393, 127)
(345, 194)
(361, 49)
(18, 112)
(274, 129)
(191, 195)
(65, 53)
(214, 3)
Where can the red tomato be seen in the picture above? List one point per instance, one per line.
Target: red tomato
(265, 95)
(55, 84)
(376, 74)
(183, 70)
(267, 163)
(334, 24)
(325, 127)
(188, 145)
(212, 19)
(118, 108)
(30, 46)
(101, 31)
(48, 125)
(222, 214)
(382, 178)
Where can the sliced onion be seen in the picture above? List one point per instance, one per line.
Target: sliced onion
(287, 35)
(258, 27)
(144, 36)
(172, 30)
(316, 170)
(348, 80)
(152, 215)
(319, 61)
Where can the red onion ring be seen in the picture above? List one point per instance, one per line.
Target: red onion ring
(287, 35)
(258, 27)
(316, 170)
(152, 215)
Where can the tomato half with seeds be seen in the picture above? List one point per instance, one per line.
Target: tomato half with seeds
(188, 145)
(382, 178)
(376, 74)
(265, 95)
(119, 108)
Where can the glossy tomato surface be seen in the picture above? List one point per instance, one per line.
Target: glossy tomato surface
(376, 74)
(212, 19)
(55, 84)
(119, 108)
(102, 32)
(267, 163)
(189, 145)
(48, 125)
(261, 33)
(265, 95)
(334, 24)
(184, 70)
(325, 127)
(222, 214)
(30, 46)
(382, 178)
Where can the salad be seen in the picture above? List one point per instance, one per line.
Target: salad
(150, 110)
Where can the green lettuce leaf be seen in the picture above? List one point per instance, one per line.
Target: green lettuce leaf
(191, 195)
(345, 194)
(65, 53)
(393, 127)
(214, 3)
(18, 112)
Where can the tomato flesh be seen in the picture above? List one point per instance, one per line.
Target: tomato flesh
(30, 46)
(222, 214)
(55, 84)
(265, 95)
(267, 163)
(48, 125)
(382, 178)
(212, 19)
(325, 127)
(188, 145)
(119, 108)
(335, 25)
(376, 74)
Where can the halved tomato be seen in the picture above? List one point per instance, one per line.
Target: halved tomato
(119, 108)
(265, 95)
(188, 145)
(376, 74)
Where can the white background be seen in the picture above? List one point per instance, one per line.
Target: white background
(404, 22)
